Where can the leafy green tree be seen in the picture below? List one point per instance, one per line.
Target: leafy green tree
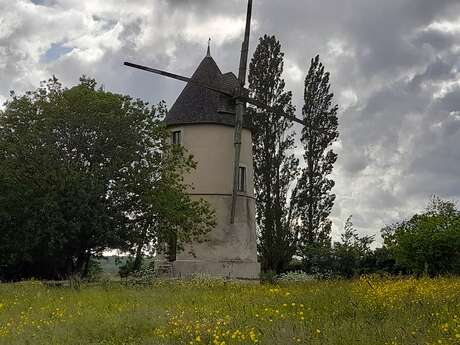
(351, 252)
(429, 242)
(83, 170)
(275, 166)
(380, 261)
(318, 258)
(312, 195)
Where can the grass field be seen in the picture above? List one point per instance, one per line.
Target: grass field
(366, 311)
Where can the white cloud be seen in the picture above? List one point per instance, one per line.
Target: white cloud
(347, 98)
(293, 72)
(445, 26)
(220, 29)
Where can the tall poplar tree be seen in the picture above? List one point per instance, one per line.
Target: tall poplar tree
(275, 167)
(313, 196)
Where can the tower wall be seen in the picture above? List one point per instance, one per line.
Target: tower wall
(231, 249)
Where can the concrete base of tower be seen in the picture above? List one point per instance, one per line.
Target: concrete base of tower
(234, 269)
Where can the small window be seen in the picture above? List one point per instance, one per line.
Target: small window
(176, 138)
(242, 179)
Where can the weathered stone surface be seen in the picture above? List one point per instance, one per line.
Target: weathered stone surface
(206, 123)
(227, 269)
(231, 249)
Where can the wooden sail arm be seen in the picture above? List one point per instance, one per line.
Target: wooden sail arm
(181, 78)
(264, 106)
(240, 109)
(245, 47)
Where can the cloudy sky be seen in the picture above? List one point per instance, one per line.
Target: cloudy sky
(394, 64)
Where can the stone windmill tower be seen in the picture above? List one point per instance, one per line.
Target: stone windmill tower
(203, 121)
(208, 120)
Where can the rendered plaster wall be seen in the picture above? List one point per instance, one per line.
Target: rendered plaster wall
(212, 147)
(231, 249)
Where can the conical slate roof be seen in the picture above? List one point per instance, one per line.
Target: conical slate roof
(196, 104)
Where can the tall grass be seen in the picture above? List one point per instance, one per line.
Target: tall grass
(366, 311)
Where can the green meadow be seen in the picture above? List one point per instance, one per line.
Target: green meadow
(365, 311)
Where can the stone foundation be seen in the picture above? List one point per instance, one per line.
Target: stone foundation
(226, 269)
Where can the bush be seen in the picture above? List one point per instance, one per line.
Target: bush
(143, 276)
(295, 265)
(296, 276)
(94, 270)
(268, 277)
(127, 268)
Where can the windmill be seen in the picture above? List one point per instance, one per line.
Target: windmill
(241, 97)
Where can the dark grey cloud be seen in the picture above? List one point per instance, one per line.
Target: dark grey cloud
(394, 70)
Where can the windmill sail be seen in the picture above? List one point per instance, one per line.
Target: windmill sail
(240, 109)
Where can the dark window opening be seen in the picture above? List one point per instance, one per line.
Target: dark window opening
(176, 138)
(242, 179)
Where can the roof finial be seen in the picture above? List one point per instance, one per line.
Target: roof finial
(209, 48)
